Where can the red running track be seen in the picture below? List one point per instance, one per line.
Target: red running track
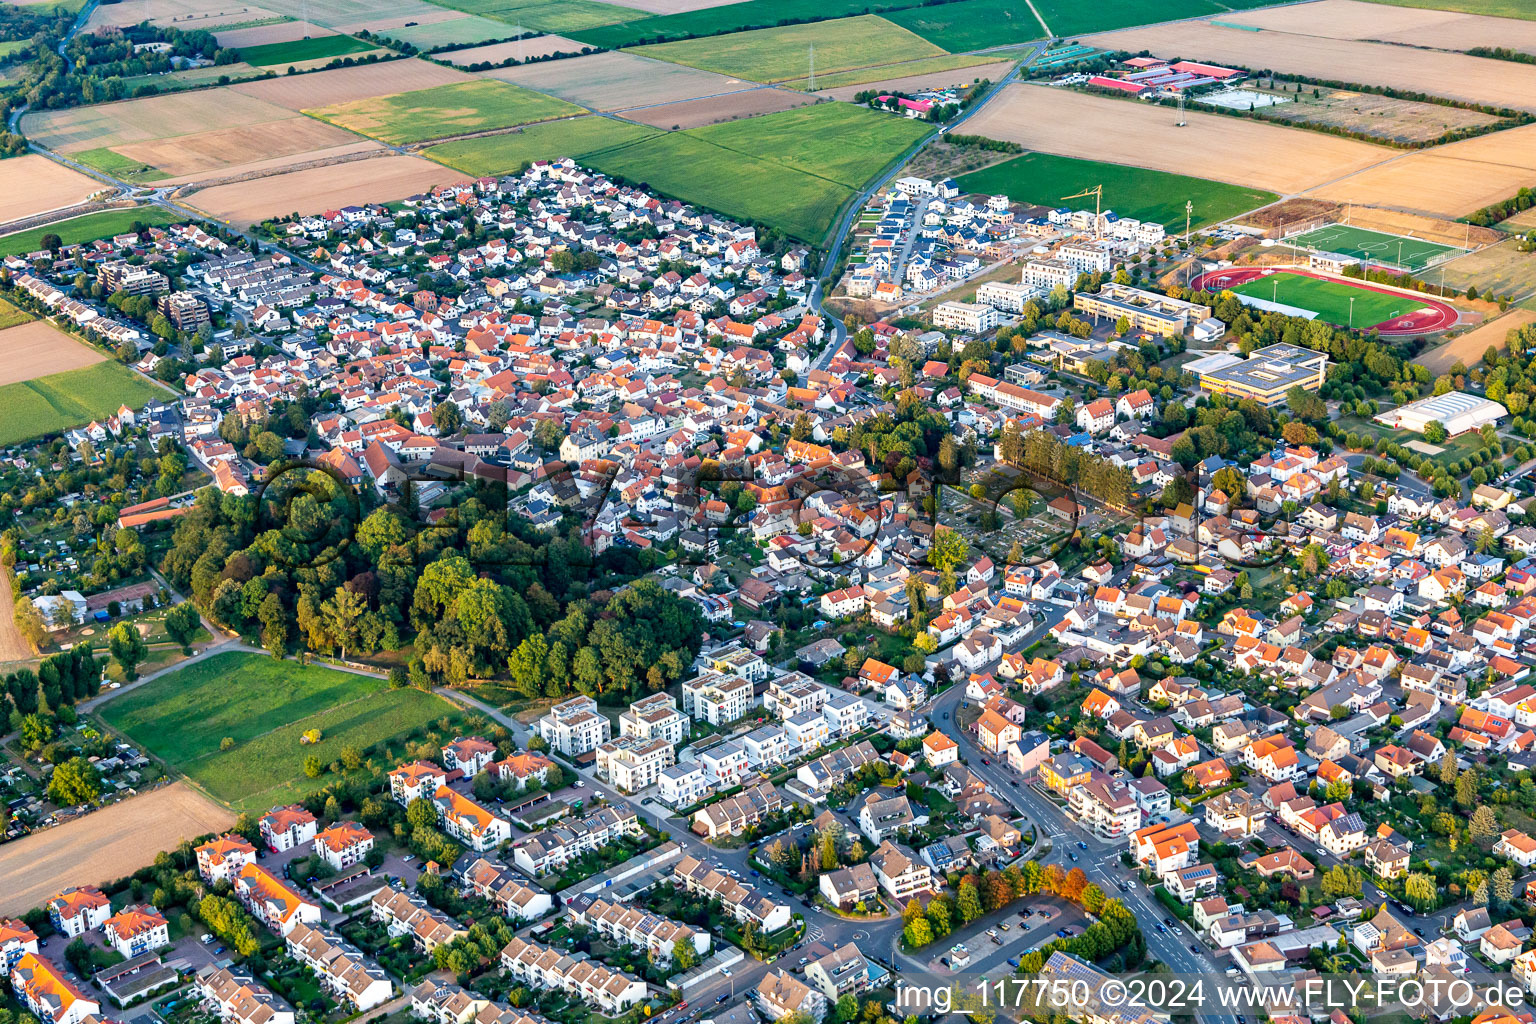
(1435, 316)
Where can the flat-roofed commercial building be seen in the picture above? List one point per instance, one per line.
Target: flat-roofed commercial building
(1265, 376)
(1146, 311)
(1458, 411)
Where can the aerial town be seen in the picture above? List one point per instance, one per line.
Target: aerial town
(586, 512)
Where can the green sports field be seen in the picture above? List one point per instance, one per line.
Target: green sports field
(85, 229)
(52, 404)
(445, 110)
(1410, 253)
(1043, 180)
(1328, 299)
(264, 706)
(511, 152)
(297, 50)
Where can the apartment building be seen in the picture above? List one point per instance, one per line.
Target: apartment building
(220, 860)
(633, 764)
(1145, 311)
(575, 726)
(273, 901)
(968, 317)
(477, 827)
(900, 873)
(1085, 258)
(344, 844)
(683, 785)
(553, 848)
(417, 780)
(843, 971)
(405, 913)
(340, 967)
(766, 747)
(629, 926)
(717, 698)
(16, 939)
(611, 991)
(522, 768)
(725, 764)
(1048, 274)
(1006, 296)
(469, 755)
(1105, 805)
(287, 828)
(237, 998)
(655, 718)
(781, 994)
(78, 910)
(136, 929)
(741, 901)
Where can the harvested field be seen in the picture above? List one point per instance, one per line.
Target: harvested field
(717, 109)
(1353, 19)
(157, 117)
(188, 14)
(261, 35)
(38, 349)
(387, 23)
(565, 17)
(1209, 145)
(1453, 75)
(13, 646)
(1435, 229)
(104, 846)
(1469, 347)
(323, 188)
(1496, 270)
(347, 85)
(34, 184)
(1449, 181)
(455, 32)
(334, 13)
(1494, 8)
(618, 81)
(227, 147)
(538, 46)
(446, 110)
(510, 152)
(930, 73)
(781, 54)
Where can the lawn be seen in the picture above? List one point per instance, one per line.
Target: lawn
(109, 161)
(971, 24)
(845, 143)
(731, 17)
(11, 316)
(782, 54)
(559, 17)
(684, 167)
(1330, 300)
(1412, 253)
(264, 706)
(511, 152)
(1043, 179)
(51, 404)
(445, 110)
(298, 50)
(86, 229)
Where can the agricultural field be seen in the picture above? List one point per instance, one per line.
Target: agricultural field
(1447, 181)
(971, 24)
(1358, 19)
(838, 141)
(715, 109)
(298, 50)
(444, 111)
(202, 14)
(450, 32)
(314, 189)
(85, 229)
(1500, 269)
(1412, 253)
(511, 152)
(782, 54)
(222, 149)
(519, 49)
(1491, 8)
(1468, 348)
(1043, 180)
(264, 706)
(35, 348)
(1213, 146)
(195, 78)
(33, 184)
(51, 404)
(345, 15)
(109, 125)
(908, 76)
(1330, 300)
(1071, 18)
(683, 167)
(348, 85)
(563, 17)
(719, 19)
(617, 81)
(1453, 75)
(1388, 119)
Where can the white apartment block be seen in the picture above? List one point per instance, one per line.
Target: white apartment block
(734, 659)
(766, 746)
(286, 828)
(1009, 298)
(633, 764)
(683, 785)
(137, 929)
(808, 731)
(575, 726)
(220, 860)
(655, 717)
(794, 693)
(1048, 274)
(477, 827)
(417, 780)
(344, 844)
(1085, 259)
(717, 698)
(845, 714)
(726, 763)
(969, 317)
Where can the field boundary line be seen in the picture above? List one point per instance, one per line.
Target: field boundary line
(1041, 19)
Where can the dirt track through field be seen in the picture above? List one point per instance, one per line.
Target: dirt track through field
(105, 845)
(324, 188)
(1053, 120)
(1456, 76)
(34, 184)
(38, 349)
(1352, 19)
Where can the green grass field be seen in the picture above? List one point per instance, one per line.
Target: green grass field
(48, 405)
(1073, 17)
(560, 17)
(297, 50)
(845, 143)
(1412, 253)
(86, 229)
(10, 46)
(457, 32)
(1493, 8)
(13, 316)
(445, 110)
(1043, 179)
(971, 24)
(511, 152)
(782, 54)
(264, 706)
(931, 66)
(1328, 299)
(746, 187)
(109, 161)
(736, 17)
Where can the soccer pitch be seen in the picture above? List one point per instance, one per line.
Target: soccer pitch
(1410, 253)
(1329, 299)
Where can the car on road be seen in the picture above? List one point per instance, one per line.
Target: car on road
(985, 761)
(1168, 921)
(725, 972)
(1073, 856)
(1194, 948)
(1082, 845)
(756, 875)
(1003, 926)
(1013, 961)
(723, 997)
(1161, 929)
(1014, 783)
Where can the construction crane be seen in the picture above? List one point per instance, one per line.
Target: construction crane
(1098, 202)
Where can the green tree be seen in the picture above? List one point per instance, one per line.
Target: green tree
(313, 766)
(76, 781)
(1483, 823)
(968, 903)
(949, 549)
(684, 955)
(127, 647)
(182, 624)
